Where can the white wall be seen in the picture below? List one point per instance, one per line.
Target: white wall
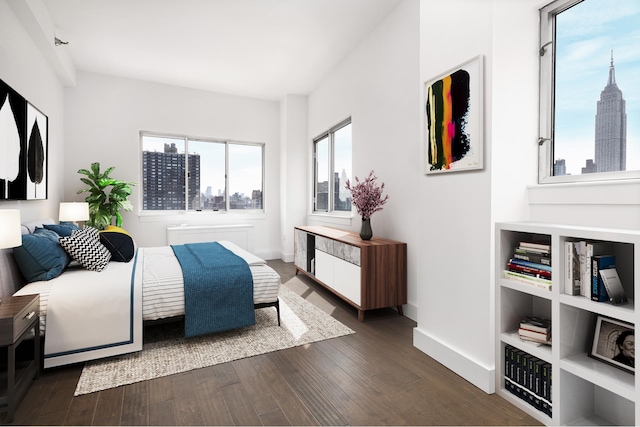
(455, 297)
(23, 67)
(293, 169)
(105, 114)
(377, 86)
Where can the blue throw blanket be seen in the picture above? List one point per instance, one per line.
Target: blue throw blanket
(218, 288)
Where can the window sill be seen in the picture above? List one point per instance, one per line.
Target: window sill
(183, 217)
(618, 192)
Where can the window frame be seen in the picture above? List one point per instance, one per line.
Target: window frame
(186, 139)
(546, 136)
(330, 135)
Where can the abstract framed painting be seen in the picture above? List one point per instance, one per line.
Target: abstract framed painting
(24, 135)
(453, 111)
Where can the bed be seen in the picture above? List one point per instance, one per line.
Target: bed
(87, 315)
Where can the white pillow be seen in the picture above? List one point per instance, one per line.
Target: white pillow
(84, 246)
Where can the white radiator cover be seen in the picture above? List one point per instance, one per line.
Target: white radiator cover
(240, 234)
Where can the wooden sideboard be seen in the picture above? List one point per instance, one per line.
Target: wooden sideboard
(367, 274)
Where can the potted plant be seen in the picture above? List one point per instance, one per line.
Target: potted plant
(102, 206)
(367, 198)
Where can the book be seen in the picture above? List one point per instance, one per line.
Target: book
(519, 373)
(507, 352)
(591, 249)
(531, 256)
(536, 246)
(525, 370)
(530, 264)
(529, 271)
(540, 336)
(529, 280)
(600, 262)
(536, 324)
(536, 340)
(546, 388)
(580, 253)
(613, 286)
(571, 270)
(534, 400)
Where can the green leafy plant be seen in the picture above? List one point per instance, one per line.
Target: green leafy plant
(102, 206)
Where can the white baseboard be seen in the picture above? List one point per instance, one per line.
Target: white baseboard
(267, 255)
(410, 311)
(286, 257)
(478, 375)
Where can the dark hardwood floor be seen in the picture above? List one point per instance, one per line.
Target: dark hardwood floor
(373, 377)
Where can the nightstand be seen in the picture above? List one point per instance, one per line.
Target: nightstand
(18, 316)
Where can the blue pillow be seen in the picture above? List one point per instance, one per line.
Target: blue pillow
(41, 257)
(64, 229)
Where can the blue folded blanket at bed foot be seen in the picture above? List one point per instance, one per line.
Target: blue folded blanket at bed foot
(218, 288)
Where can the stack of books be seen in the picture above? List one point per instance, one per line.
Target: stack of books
(531, 264)
(529, 378)
(586, 262)
(536, 329)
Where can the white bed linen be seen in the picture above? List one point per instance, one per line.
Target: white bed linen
(163, 285)
(163, 291)
(92, 315)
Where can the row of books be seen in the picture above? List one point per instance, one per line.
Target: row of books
(590, 271)
(528, 377)
(535, 329)
(531, 264)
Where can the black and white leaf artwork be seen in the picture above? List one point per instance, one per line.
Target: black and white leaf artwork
(9, 145)
(35, 155)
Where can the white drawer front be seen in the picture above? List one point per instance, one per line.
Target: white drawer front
(346, 280)
(324, 268)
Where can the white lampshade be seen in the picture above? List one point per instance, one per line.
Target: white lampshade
(74, 211)
(10, 228)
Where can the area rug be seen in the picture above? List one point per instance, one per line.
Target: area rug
(166, 351)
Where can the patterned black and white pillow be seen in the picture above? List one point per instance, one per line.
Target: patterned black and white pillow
(84, 246)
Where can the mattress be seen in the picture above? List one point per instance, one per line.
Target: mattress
(162, 288)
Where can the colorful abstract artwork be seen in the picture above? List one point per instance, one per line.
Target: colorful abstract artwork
(453, 119)
(23, 148)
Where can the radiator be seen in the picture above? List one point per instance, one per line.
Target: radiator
(240, 234)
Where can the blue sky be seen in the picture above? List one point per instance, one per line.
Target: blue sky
(586, 33)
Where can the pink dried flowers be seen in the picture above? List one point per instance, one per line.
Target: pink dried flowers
(367, 195)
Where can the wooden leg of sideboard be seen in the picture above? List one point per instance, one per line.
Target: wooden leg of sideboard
(400, 310)
(360, 315)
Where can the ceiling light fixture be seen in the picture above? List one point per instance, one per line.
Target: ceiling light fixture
(59, 42)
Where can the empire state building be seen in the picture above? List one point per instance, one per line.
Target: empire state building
(611, 127)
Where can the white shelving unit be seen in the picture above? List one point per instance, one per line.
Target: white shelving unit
(585, 391)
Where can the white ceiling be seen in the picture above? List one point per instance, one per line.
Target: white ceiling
(258, 48)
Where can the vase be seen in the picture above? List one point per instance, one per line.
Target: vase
(365, 231)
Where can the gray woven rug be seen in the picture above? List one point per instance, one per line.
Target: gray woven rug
(166, 351)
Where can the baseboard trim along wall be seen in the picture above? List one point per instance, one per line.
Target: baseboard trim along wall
(478, 375)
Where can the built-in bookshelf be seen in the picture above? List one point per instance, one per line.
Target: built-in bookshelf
(584, 389)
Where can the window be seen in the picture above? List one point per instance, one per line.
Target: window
(183, 173)
(589, 90)
(332, 168)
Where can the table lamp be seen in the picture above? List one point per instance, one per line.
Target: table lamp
(10, 229)
(74, 211)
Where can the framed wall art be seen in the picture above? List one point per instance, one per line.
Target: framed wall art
(453, 111)
(24, 136)
(614, 343)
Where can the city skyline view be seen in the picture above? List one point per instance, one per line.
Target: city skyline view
(163, 174)
(243, 159)
(587, 36)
